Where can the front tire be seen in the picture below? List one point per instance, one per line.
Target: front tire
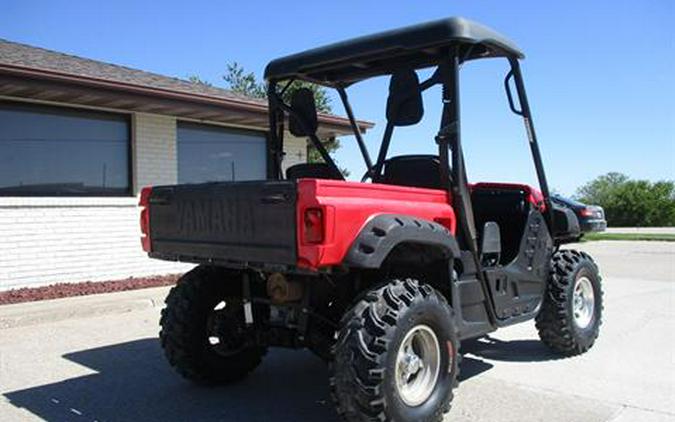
(570, 318)
(202, 328)
(397, 355)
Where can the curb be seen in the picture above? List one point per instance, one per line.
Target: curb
(41, 312)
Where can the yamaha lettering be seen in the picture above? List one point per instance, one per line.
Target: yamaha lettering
(216, 217)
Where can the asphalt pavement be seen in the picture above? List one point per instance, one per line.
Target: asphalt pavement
(59, 362)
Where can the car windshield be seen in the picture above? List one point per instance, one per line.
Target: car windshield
(567, 201)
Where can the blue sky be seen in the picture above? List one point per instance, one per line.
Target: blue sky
(599, 74)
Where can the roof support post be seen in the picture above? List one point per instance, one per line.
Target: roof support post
(275, 150)
(449, 122)
(450, 133)
(532, 138)
(376, 170)
(355, 127)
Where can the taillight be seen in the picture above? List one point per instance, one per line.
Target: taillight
(585, 212)
(313, 225)
(144, 203)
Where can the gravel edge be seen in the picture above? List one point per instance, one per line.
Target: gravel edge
(63, 290)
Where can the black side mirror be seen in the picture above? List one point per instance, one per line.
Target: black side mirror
(303, 121)
(404, 105)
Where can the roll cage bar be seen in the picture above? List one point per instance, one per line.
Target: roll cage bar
(445, 44)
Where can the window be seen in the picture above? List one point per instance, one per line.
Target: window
(209, 153)
(54, 151)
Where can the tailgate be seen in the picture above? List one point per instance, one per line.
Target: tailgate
(229, 221)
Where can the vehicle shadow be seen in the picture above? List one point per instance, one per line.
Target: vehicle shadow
(133, 382)
(491, 348)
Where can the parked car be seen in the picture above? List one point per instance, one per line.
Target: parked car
(591, 217)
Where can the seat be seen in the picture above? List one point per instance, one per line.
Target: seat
(419, 171)
(312, 171)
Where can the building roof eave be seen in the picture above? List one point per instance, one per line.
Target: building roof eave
(330, 124)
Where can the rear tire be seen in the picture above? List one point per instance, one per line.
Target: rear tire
(570, 318)
(203, 340)
(396, 356)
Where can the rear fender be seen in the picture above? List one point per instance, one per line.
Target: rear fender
(384, 232)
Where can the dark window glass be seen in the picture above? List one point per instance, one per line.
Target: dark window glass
(53, 151)
(214, 154)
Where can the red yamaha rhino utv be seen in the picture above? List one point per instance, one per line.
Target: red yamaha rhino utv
(382, 278)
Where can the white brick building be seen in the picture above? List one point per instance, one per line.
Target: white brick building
(80, 138)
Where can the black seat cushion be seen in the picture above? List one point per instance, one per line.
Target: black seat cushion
(312, 171)
(420, 171)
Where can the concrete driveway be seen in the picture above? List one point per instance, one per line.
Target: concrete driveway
(110, 366)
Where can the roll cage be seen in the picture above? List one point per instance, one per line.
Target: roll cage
(444, 44)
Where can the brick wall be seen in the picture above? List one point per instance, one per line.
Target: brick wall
(50, 240)
(154, 145)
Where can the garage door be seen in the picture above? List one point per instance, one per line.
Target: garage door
(58, 151)
(208, 153)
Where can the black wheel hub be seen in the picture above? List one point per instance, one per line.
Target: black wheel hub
(226, 330)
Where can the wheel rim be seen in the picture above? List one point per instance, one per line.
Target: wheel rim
(417, 365)
(583, 302)
(225, 331)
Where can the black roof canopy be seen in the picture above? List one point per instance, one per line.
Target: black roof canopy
(418, 46)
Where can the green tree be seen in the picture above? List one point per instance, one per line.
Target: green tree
(198, 81)
(246, 83)
(243, 83)
(602, 190)
(631, 202)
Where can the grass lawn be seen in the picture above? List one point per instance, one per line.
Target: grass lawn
(662, 237)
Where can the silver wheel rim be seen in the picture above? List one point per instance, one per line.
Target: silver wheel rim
(583, 302)
(418, 363)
